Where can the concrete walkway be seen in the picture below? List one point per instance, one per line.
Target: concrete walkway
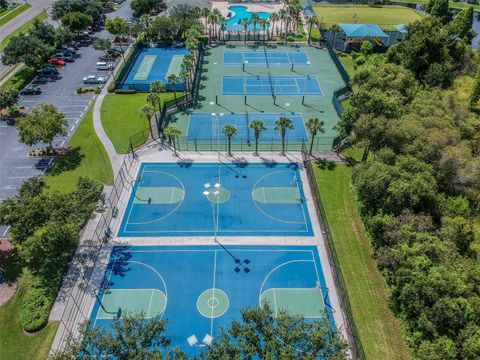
(115, 158)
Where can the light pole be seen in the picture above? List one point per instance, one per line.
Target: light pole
(216, 192)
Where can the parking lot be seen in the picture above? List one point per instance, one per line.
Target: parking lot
(15, 165)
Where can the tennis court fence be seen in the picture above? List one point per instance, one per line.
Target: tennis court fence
(80, 284)
(350, 327)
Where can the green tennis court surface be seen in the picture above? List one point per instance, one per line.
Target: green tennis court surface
(297, 94)
(307, 302)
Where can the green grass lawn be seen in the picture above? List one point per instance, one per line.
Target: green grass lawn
(120, 118)
(385, 16)
(21, 78)
(88, 159)
(451, 4)
(14, 344)
(24, 28)
(381, 334)
(9, 14)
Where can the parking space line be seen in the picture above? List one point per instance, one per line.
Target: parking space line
(73, 127)
(6, 230)
(48, 165)
(19, 177)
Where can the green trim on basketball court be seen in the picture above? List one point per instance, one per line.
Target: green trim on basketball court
(158, 195)
(277, 195)
(115, 302)
(307, 302)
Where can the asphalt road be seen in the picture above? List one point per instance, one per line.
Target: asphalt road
(37, 6)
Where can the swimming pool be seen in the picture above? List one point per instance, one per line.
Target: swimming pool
(239, 13)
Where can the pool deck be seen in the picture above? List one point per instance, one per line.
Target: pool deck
(222, 6)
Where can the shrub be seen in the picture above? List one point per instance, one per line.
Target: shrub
(36, 306)
(111, 87)
(125, 91)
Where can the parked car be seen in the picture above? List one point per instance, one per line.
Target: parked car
(42, 79)
(49, 70)
(31, 90)
(101, 65)
(69, 49)
(94, 79)
(67, 58)
(56, 61)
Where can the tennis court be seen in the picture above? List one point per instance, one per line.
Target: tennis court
(267, 57)
(208, 127)
(262, 85)
(208, 286)
(152, 64)
(239, 199)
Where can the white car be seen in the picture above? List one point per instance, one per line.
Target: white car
(104, 66)
(94, 79)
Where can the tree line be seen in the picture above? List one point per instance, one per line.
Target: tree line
(418, 184)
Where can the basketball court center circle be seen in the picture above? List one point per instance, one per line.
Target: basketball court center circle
(213, 303)
(219, 196)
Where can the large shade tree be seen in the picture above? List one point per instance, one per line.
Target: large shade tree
(42, 125)
(148, 7)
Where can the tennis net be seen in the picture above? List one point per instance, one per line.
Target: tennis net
(268, 70)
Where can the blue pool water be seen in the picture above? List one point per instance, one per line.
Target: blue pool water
(241, 12)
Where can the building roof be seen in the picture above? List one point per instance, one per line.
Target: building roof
(363, 30)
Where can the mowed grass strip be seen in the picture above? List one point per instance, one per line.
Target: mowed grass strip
(9, 14)
(88, 158)
(14, 343)
(121, 119)
(23, 29)
(384, 16)
(381, 334)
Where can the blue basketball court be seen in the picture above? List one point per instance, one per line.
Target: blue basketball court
(262, 85)
(154, 64)
(200, 289)
(192, 199)
(264, 58)
(208, 127)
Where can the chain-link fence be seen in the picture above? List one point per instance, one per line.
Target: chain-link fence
(351, 330)
(83, 277)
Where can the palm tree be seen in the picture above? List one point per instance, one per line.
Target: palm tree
(254, 19)
(206, 13)
(283, 17)
(154, 99)
(263, 23)
(229, 131)
(172, 79)
(157, 87)
(245, 24)
(334, 29)
(217, 18)
(311, 22)
(172, 133)
(314, 126)
(274, 18)
(283, 124)
(184, 77)
(147, 110)
(257, 126)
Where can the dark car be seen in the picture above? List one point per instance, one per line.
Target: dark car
(69, 49)
(64, 57)
(31, 90)
(42, 79)
(49, 70)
